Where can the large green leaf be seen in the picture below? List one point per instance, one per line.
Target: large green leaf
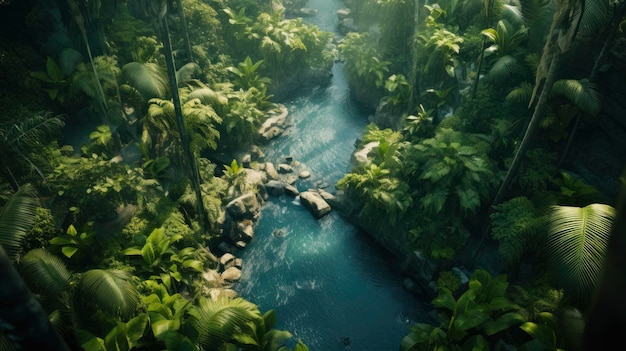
(110, 290)
(148, 78)
(17, 218)
(577, 244)
(582, 93)
(44, 272)
(219, 321)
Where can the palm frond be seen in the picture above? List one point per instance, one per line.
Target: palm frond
(503, 69)
(520, 94)
(148, 78)
(33, 130)
(513, 13)
(596, 16)
(577, 244)
(110, 290)
(44, 272)
(17, 218)
(186, 73)
(582, 93)
(218, 321)
(209, 97)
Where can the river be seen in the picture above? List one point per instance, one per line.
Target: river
(327, 280)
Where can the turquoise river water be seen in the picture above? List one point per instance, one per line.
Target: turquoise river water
(326, 279)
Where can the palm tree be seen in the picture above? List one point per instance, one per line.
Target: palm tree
(24, 321)
(190, 157)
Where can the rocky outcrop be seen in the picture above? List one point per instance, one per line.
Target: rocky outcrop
(246, 206)
(315, 203)
(274, 125)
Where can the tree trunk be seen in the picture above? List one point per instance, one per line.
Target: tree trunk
(78, 17)
(414, 80)
(183, 22)
(24, 321)
(481, 57)
(190, 159)
(538, 114)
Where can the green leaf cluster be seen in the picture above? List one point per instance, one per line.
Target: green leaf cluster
(468, 322)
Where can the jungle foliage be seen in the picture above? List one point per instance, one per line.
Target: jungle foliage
(485, 100)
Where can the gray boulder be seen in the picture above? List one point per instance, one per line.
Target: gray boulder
(275, 187)
(244, 207)
(274, 125)
(314, 202)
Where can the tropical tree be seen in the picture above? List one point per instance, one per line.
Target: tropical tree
(189, 157)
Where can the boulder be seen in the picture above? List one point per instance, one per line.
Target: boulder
(227, 260)
(231, 274)
(343, 13)
(284, 168)
(274, 125)
(291, 190)
(254, 176)
(238, 262)
(246, 160)
(256, 153)
(328, 197)
(304, 174)
(307, 12)
(213, 278)
(244, 207)
(275, 187)
(347, 25)
(271, 172)
(245, 229)
(314, 202)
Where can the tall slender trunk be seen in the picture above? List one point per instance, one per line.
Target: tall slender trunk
(414, 81)
(102, 104)
(481, 57)
(190, 158)
(538, 114)
(183, 22)
(24, 321)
